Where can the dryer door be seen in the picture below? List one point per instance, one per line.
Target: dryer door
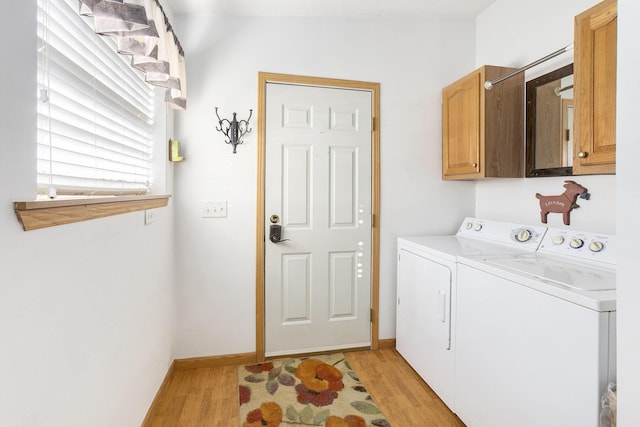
(423, 324)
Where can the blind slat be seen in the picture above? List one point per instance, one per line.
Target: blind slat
(95, 133)
(73, 32)
(97, 129)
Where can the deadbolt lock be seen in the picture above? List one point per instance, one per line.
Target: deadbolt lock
(274, 219)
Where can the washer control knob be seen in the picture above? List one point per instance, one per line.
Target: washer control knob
(576, 243)
(469, 225)
(557, 240)
(523, 236)
(596, 246)
(478, 227)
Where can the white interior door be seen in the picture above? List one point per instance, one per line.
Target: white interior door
(318, 189)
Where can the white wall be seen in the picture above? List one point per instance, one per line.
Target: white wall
(86, 309)
(628, 145)
(514, 34)
(412, 58)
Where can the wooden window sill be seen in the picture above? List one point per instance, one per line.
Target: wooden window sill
(49, 213)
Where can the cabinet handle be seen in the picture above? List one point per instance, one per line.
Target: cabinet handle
(583, 154)
(474, 165)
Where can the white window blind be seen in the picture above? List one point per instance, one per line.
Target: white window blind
(95, 131)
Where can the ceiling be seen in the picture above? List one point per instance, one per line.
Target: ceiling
(327, 7)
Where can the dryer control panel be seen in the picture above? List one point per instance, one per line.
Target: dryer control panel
(518, 235)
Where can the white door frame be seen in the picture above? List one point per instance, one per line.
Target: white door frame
(263, 79)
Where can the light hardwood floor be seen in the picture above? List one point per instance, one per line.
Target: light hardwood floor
(208, 396)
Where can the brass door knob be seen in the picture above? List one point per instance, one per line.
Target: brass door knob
(583, 154)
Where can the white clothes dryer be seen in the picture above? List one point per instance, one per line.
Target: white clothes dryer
(426, 289)
(535, 333)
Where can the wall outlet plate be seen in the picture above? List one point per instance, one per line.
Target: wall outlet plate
(149, 216)
(216, 209)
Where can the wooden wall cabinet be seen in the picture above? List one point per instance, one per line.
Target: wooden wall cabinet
(595, 58)
(482, 130)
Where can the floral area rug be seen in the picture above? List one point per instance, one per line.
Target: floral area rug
(315, 391)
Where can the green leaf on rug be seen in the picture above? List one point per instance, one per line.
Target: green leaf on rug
(306, 415)
(365, 408)
(291, 369)
(321, 417)
(292, 414)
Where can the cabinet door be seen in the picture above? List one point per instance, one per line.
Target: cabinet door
(461, 127)
(595, 89)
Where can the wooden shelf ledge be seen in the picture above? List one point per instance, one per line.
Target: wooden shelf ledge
(49, 213)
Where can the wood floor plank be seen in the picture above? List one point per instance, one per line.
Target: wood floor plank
(402, 395)
(208, 396)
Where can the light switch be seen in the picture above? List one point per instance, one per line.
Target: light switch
(216, 209)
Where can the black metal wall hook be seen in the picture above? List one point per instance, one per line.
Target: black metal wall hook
(233, 129)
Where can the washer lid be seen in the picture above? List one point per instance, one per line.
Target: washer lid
(559, 271)
(451, 247)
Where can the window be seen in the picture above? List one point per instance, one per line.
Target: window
(95, 112)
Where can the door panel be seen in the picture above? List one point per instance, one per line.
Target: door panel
(318, 181)
(296, 288)
(342, 285)
(296, 179)
(343, 191)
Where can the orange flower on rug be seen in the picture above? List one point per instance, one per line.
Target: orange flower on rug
(315, 391)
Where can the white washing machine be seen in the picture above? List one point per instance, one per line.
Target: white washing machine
(426, 289)
(535, 333)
